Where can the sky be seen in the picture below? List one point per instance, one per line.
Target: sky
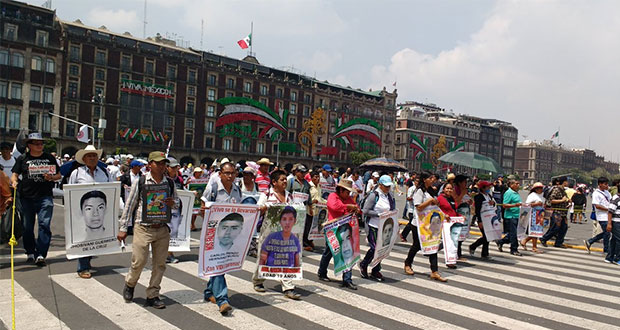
(542, 65)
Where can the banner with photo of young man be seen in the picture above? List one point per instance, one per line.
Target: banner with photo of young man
(452, 229)
(320, 216)
(225, 238)
(525, 214)
(388, 232)
(465, 211)
(279, 244)
(154, 209)
(430, 222)
(199, 188)
(343, 238)
(180, 222)
(491, 221)
(91, 215)
(537, 222)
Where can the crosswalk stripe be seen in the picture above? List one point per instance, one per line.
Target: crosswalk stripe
(29, 313)
(516, 273)
(313, 313)
(110, 303)
(193, 299)
(499, 301)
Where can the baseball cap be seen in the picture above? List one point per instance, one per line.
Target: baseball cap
(197, 169)
(375, 174)
(157, 156)
(135, 163)
(327, 167)
(385, 180)
(172, 162)
(483, 184)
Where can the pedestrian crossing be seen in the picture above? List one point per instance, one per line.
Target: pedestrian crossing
(559, 289)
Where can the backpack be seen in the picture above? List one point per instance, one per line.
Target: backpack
(74, 166)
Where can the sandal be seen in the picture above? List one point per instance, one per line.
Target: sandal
(537, 251)
(523, 245)
(85, 274)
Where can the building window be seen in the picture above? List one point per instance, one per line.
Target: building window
(263, 101)
(212, 79)
(263, 90)
(169, 121)
(244, 147)
(247, 87)
(209, 127)
(279, 93)
(307, 98)
(191, 91)
(188, 140)
(208, 142)
(4, 57)
(293, 109)
(42, 38)
(126, 62)
(260, 147)
(4, 88)
(210, 111)
(50, 65)
(74, 53)
(294, 96)
(231, 83)
(306, 111)
(292, 122)
(37, 63)
(16, 91)
(211, 95)
(191, 76)
(291, 136)
(189, 123)
(48, 95)
(35, 94)
(73, 88)
(33, 121)
(17, 60)
(2, 117)
(14, 119)
(172, 72)
(100, 57)
(230, 94)
(46, 122)
(227, 144)
(10, 31)
(150, 67)
(190, 108)
(74, 70)
(99, 74)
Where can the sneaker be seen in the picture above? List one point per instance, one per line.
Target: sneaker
(155, 303)
(349, 285)
(291, 294)
(617, 262)
(544, 243)
(587, 245)
(172, 260)
(40, 261)
(500, 246)
(259, 288)
(30, 258)
(516, 253)
(471, 252)
(324, 278)
(607, 261)
(225, 309)
(364, 272)
(128, 293)
(377, 277)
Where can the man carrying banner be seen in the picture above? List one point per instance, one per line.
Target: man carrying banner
(153, 235)
(300, 185)
(339, 203)
(379, 201)
(89, 173)
(512, 202)
(483, 197)
(226, 192)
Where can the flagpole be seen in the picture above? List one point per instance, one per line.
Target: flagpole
(251, 37)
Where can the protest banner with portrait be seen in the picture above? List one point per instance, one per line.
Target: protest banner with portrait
(320, 216)
(225, 238)
(491, 221)
(299, 197)
(91, 214)
(524, 221)
(279, 244)
(154, 208)
(465, 211)
(199, 188)
(430, 222)
(180, 222)
(452, 229)
(387, 234)
(343, 238)
(537, 222)
(249, 197)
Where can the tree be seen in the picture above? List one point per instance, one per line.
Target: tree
(358, 158)
(313, 127)
(439, 149)
(49, 145)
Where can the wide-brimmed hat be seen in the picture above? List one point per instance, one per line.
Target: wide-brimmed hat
(346, 184)
(537, 185)
(36, 136)
(90, 149)
(264, 161)
(249, 169)
(197, 169)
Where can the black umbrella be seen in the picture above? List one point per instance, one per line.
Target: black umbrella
(383, 165)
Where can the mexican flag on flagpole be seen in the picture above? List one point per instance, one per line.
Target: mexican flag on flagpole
(556, 134)
(245, 42)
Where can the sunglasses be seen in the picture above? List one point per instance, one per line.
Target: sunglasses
(38, 143)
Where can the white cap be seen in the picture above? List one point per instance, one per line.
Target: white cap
(130, 156)
(109, 160)
(375, 174)
(67, 156)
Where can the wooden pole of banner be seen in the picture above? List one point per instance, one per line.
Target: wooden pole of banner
(12, 243)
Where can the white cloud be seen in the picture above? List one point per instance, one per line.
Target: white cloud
(115, 20)
(539, 64)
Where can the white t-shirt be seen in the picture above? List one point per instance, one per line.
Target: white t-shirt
(534, 198)
(382, 205)
(410, 208)
(115, 172)
(602, 198)
(8, 165)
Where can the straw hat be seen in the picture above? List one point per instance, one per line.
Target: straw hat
(346, 184)
(88, 150)
(264, 161)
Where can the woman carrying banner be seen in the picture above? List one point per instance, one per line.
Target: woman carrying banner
(422, 199)
(89, 173)
(276, 194)
(379, 201)
(463, 204)
(315, 196)
(339, 203)
(448, 207)
(535, 198)
(483, 197)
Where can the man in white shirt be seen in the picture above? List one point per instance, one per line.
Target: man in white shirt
(358, 186)
(372, 183)
(7, 160)
(113, 169)
(600, 201)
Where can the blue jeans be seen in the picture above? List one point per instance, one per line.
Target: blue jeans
(613, 252)
(372, 242)
(325, 259)
(558, 228)
(217, 287)
(83, 264)
(603, 235)
(42, 209)
(512, 234)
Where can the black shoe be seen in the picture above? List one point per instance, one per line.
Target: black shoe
(377, 277)
(587, 245)
(349, 285)
(544, 243)
(40, 261)
(128, 293)
(500, 246)
(364, 273)
(155, 303)
(324, 278)
(516, 253)
(563, 246)
(471, 252)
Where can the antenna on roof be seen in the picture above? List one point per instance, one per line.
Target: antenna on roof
(202, 29)
(144, 22)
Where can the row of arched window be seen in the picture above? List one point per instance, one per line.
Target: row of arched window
(16, 59)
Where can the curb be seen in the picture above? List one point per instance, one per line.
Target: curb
(570, 246)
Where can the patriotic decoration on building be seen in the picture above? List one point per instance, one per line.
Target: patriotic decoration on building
(142, 134)
(242, 109)
(419, 148)
(362, 127)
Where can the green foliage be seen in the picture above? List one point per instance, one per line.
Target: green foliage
(590, 177)
(357, 158)
(49, 145)
(484, 176)
(121, 150)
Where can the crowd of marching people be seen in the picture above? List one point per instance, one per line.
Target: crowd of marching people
(367, 194)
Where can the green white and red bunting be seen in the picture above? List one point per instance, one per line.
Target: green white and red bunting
(142, 134)
(556, 134)
(458, 147)
(245, 42)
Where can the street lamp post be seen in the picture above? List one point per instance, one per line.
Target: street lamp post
(278, 151)
(101, 122)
